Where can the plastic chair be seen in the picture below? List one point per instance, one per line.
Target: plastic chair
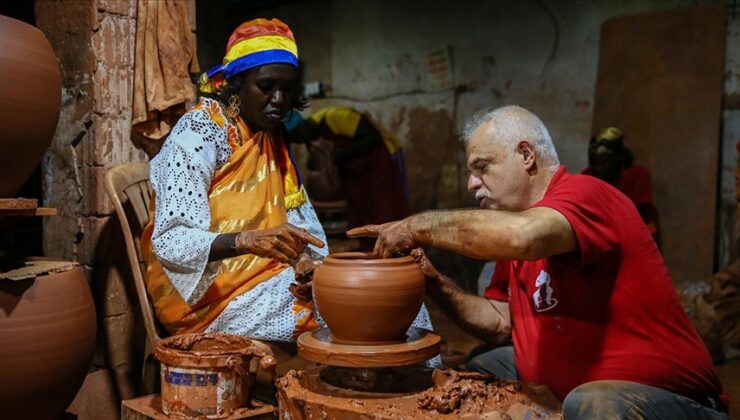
(129, 188)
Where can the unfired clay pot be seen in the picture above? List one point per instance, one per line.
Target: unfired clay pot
(366, 300)
(47, 338)
(30, 99)
(210, 375)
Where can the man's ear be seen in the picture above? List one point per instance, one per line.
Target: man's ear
(527, 153)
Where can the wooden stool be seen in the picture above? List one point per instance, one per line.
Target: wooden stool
(150, 407)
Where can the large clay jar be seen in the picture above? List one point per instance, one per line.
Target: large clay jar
(365, 300)
(30, 99)
(47, 338)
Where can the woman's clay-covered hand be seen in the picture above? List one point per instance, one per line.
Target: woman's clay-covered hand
(394, 238)
(283, 243)
(304, 269)
(302, 292)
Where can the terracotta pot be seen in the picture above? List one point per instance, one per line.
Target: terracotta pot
(30, 98)
(209, 375)
(365, 300)
(47, 338)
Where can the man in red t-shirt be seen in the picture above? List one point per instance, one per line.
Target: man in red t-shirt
(610, 161)
(580, 287)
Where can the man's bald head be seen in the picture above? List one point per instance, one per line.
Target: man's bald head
(509, 125)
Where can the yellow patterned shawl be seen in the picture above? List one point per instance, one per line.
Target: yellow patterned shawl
(252, 190)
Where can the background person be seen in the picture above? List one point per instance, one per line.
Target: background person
(610, 161)
(368, 158)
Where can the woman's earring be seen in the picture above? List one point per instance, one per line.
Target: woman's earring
(233, 108)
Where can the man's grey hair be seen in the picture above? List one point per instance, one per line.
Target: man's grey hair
(512, 124)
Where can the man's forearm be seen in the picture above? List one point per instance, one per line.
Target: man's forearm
(482, 234)
(483, 318)
(493, 235)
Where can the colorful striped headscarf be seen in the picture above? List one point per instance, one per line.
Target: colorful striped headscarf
(253, 44)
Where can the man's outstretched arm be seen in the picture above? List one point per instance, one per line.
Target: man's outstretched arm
(483, 234)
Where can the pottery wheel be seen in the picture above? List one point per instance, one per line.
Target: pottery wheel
(318, 346)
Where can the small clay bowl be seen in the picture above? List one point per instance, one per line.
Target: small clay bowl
(365, 300)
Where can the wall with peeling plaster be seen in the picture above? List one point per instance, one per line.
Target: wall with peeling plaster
(542, 55)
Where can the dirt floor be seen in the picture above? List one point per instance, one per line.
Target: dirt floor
(457, 344)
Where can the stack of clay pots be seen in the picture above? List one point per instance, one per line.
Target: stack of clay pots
(47, 322)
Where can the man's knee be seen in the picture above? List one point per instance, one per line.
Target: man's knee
(580, 400)
(499, 362)
(625, 399)
(595, 399)
(476, 364)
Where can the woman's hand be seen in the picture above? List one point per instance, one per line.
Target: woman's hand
(304, 269)
(283, 243)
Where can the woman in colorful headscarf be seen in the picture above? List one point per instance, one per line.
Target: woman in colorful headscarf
(231, 217)
(230, 213)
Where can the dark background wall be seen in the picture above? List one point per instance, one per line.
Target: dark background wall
(542, 55)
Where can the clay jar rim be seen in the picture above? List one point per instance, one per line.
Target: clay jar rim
(217, 358)
(366, 259)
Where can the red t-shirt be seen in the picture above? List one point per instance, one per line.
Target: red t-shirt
(606, 311)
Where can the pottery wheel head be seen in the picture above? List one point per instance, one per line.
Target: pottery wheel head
(318, 346)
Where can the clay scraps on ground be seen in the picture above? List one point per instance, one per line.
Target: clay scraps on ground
(469, 392)
(455, 394)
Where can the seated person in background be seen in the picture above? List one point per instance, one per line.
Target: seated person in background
(610, 161)
(231, 219)
(368, 158)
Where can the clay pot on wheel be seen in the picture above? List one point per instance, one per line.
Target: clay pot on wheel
(47, 338)
(365, 300)
(30, 99)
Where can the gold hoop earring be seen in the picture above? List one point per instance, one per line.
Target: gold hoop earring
(233, 109)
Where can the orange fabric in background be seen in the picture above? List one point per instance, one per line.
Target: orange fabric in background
(164, 58)
(247, 192)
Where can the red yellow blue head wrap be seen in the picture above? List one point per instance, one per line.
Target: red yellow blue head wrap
(253, 44)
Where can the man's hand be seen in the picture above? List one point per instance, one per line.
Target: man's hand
(394, 238)
(427, 269)
(304, 268)
(283, 243)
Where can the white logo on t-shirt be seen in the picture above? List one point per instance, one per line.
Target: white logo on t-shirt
(543, 300)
